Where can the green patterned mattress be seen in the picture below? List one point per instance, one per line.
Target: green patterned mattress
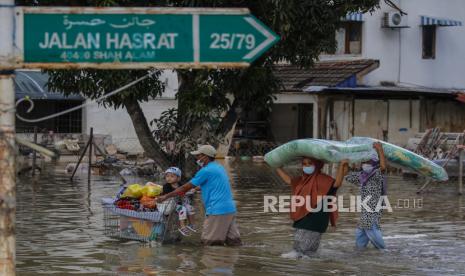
(356, 149)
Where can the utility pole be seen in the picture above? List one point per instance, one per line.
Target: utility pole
(7, 141)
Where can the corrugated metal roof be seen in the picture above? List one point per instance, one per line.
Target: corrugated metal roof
(393, 90)
(34, 85)
(323, 73)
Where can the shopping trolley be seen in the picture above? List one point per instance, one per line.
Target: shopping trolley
(160, 225)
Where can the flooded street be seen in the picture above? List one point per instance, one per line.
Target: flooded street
(60, 232)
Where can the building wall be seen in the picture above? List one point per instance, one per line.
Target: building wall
(382, 44)
(371, 118)
(447, 69)
(293, 98)
(118, 124)
(404, 120)
(396, 120)
(447, 115)
(400, 50)
(343, 118)
(284, 122)
(291, 121)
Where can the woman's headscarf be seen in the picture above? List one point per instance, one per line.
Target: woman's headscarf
(365, 176)
(314, 185)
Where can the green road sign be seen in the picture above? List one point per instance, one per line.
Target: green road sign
(233, 38)
(141, 37)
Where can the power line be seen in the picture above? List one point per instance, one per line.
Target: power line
(394, 6)
(31, 102)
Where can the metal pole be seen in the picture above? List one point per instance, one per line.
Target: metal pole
(424, 186)
(461, 171)
(80, 159)
(34, 154)
(91, 138)
(7, 142)
(98, 148)
(7, 177)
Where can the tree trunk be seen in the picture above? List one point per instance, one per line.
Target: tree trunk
(186, 82)
(151, 147)
(228, 120)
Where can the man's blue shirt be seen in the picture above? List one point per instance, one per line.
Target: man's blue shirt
(215, 189)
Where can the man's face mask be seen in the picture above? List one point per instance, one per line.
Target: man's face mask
(200, 162)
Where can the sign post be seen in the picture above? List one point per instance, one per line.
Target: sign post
(7, 142)
(128, 38)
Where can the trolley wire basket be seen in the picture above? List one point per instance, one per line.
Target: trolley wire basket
(160, 226)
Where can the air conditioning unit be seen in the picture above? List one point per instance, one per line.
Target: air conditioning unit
(394, 20)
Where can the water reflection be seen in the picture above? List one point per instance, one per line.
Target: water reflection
(60, 231)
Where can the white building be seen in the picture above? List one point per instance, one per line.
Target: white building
(115, 124)
(118, 124)
(412, 84)
(424, 54)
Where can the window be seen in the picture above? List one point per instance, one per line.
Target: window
(429, 42)
(353, 38)
(349, 39)
(67, 123)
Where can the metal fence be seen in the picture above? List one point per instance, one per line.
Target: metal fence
(250, 148)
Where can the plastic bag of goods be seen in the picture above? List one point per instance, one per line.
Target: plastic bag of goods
(152, 190)
(133, 191)
(148, 202)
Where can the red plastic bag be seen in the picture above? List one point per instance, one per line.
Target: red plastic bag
(125, 204)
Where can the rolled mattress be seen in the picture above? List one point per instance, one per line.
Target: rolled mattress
(356, 149)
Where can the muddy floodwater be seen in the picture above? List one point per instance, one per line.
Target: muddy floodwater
(60, 232)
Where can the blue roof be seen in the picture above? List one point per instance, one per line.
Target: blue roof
(34, 85)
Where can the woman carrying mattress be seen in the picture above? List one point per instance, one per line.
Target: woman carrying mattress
(312, 186)
(372, 189)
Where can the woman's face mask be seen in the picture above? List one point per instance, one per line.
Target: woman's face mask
(367, 168)
(309, 169)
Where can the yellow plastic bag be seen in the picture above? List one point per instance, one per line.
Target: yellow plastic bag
(152, 190)
(133, 191)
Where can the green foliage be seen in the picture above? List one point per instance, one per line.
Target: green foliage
(214, 90)
(179, 137)
(96, 83)
(204, 93)
(252, 88)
